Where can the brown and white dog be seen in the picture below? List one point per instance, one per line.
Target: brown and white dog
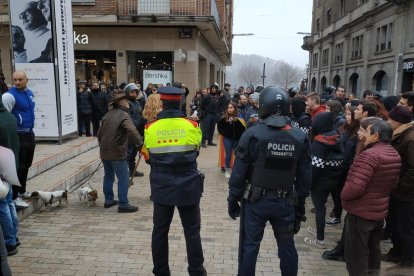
(49, 198)
(88, 195)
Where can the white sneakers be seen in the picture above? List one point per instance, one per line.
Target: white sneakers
(25, 195)
(315, 243)
(19, 202)
(227, 174)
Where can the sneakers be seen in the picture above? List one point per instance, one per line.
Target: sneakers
(315, 243)
(312, 231)
(127, 209)
(109, 205)
(25, 195)
(11, 250)
(227, 174)
(333, 222)
(20, 203)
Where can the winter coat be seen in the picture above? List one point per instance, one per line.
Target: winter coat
(85, 102)
(339, 121)
(232, 130)
(326, 149)
(135, 111)
(116, 131)
(100, 104)
(21, 104)
(372, 176)
(403, 142)
(318, 110)
(210, 104)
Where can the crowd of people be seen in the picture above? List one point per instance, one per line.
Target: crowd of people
(357, 151)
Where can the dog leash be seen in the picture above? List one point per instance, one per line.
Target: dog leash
(89, 178)
(131, 180)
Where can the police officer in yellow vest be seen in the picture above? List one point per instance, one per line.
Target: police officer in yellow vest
(173, 143)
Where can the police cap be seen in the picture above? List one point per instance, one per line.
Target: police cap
(170, 93)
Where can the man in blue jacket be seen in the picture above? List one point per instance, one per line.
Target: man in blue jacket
(19, 100)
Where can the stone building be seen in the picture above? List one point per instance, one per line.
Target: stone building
(361, 44)
(116, 40)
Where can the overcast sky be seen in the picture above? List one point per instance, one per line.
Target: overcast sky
(274, 24)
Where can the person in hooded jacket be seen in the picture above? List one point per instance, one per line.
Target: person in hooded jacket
(252, 116)
(210, 108)
(300, 118)
(327, 159)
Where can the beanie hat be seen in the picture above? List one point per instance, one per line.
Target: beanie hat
(401, 114)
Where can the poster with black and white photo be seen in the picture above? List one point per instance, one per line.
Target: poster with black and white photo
(35, 30)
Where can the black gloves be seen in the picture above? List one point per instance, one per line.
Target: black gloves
(234, 209)
(298, 222)
(299, 213)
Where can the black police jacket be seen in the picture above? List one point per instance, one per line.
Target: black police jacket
(249, 150)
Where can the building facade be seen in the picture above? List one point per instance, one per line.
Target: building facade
(361, 44)
(118, 40)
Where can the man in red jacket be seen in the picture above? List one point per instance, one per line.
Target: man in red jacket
(313, 104)
(365, 196)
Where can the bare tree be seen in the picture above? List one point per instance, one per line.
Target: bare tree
(285, 74)
(249, 73)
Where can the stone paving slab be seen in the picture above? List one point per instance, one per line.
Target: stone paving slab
(75, 239)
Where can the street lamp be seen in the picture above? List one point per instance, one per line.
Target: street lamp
(305, 33)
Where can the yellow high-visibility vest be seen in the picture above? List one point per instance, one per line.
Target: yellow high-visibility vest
(171, 135)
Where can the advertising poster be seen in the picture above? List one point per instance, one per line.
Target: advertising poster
(34, 30)
(157, 77)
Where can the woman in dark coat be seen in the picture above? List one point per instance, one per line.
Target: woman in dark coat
(231, 128)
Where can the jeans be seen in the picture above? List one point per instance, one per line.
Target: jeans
(281, 215)
(229, 146)
(4, 265)
(26, 153)
(362, 246)
(8, 219)
(120, 169)
(208, 125)
(190, 219)
(319, 193)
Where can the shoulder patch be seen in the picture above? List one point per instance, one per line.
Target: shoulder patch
(194, 123)
(147, 125)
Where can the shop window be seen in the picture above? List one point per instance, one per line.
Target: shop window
(140, 61)
(96, 66)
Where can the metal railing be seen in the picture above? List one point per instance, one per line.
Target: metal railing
(169, 8)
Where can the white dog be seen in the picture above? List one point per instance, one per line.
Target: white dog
(49, 198)
(88, 195)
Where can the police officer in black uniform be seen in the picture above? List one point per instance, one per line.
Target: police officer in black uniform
(271, 177)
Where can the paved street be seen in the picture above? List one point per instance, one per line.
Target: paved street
(79, 240)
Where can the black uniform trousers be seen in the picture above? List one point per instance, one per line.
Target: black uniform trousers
(190, 219)
(402, 229)
(281, 215)
(208, 125)
(26, 154)
(362, 245)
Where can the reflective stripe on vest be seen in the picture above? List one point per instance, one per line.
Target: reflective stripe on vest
(169, 149)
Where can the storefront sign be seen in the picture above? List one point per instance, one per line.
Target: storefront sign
(408, 65)
(156, 77)
(42, 47)
(82, 39)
